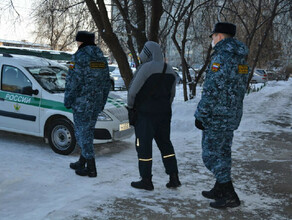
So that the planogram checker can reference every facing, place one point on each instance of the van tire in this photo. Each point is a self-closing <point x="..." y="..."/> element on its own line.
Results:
<point x="61" y="136"/>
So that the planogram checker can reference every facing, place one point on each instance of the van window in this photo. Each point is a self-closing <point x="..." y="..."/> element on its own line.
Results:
<point x="51" y="78"/>
<point x="14" y="80"/>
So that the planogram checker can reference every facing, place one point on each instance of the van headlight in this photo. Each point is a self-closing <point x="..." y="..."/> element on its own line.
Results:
<point x="103" y="117"/>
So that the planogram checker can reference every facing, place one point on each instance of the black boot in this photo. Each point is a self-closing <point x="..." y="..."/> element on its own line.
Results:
<point x="90" y="170"/>
<point x="229" y="197"/>
<point x="214" y="193"/>
<point x="80" y="164"/>
<point x="145" y="183"/>
<point x="173" y="181"/>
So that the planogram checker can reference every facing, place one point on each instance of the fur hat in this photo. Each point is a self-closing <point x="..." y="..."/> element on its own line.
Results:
<point x="85" y="37"/>
<point x="224" y="27"/>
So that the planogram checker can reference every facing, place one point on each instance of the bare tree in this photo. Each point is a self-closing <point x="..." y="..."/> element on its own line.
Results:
<point x="181" y="12"/>
<point x="136" y="22"/>
<point x="130" y="41"/>
<point x="58" y="21"/>
<point x="157" y="11"/>
<point x="257" y="19"/>
<point x="188" y="22"/>
<point x="14" y="15"/>
<point x="9" y="5"/>
<point x="182" y="15"/>
<point x="166" y="24"/>
<point x="101" y="19"/>
<point x="99" y="14"/>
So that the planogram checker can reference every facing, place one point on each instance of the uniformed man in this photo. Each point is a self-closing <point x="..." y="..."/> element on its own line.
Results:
<point x="151" y="93"/>
<point x="86" y="92"/>
<point x="219" y="111"/>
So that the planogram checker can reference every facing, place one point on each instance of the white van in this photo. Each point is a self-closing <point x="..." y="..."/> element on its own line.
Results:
<point x="31" y="103"/>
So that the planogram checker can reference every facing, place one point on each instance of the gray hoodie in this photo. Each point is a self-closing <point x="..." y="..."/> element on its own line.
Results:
<point x="147" y="77"/>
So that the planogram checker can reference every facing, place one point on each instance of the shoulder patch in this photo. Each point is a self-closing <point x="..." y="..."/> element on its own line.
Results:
<point x="242" y="69"/>
<point x="71" y="65"/>
<point x="97" y="65"/>
<point x="215" y="67"/>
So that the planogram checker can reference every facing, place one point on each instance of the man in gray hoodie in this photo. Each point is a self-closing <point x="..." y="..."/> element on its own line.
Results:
<point x="151" y="94"/>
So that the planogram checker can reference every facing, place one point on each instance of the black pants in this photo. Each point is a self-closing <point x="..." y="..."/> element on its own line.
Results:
<point x="157" y="127"/>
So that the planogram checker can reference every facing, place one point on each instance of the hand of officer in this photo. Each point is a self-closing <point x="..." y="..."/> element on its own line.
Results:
<point x="199" y="125"/>
<point x="67" y="103"/>
<point x="67" y="106"/>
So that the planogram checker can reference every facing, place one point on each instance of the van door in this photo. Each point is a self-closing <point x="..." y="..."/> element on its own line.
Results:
<point x="19" y="109"/>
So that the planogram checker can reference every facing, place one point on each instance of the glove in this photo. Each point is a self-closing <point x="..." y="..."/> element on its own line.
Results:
<point x="199" y="125"/>
<point x="67" y="106"/>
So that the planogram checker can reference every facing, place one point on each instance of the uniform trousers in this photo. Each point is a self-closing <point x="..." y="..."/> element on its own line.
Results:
<point x="216" y="146"/>
<point x="84" y="124"/>
<point x="157" y="127"/>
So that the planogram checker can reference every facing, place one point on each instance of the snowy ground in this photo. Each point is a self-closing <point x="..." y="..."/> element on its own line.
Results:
<point x="36" y="183"/>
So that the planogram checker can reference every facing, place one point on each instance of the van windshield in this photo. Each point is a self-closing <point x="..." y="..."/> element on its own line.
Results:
<point x="51" y="78"/>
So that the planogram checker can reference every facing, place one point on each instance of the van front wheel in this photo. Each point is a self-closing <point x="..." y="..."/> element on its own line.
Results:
<point x="61" y="136"/>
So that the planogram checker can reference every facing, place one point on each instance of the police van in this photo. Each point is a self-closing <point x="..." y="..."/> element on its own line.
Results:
<point x="31" y="103"/>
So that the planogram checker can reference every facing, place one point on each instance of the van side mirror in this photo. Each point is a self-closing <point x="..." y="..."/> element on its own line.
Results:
<point x="29" y="91"/>
<point x="35" y="91"/>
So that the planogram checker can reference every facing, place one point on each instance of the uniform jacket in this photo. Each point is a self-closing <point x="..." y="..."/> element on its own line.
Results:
<point x="88" y="80"/>
<point x="147" y="76"/>
<point x="225" y="85"/>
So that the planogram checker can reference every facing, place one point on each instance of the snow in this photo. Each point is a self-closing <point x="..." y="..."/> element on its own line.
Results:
<point x="36" y="183"/>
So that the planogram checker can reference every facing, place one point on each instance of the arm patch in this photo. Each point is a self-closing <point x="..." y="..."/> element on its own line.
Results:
<point x="215" y="67"/>
<point x="71" y="65"/>
<point x="242" y="69"/>
<point x="97" y="65"/>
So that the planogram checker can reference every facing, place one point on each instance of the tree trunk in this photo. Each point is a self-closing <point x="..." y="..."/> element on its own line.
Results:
<point x="156" y="12"/>
<point x="140" y="33"/>
<point x="202" y="70"/>
<point x="185" y="70"/>
<point x="102" y="22"/>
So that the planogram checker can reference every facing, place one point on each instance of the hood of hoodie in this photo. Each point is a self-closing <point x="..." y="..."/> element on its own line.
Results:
<point x="231" y="45"/>
<point x="151" y="52"/>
